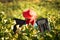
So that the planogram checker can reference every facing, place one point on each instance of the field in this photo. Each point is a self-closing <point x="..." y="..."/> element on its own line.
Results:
<point x="45" y="9"/>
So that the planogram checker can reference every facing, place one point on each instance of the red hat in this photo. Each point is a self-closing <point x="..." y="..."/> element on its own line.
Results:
<point x="28" y="14"/>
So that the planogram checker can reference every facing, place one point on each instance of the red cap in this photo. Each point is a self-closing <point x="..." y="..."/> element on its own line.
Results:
<point x="28" y="14"/>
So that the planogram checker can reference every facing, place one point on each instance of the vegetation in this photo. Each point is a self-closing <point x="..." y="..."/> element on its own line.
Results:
<point x="46" y="9"/>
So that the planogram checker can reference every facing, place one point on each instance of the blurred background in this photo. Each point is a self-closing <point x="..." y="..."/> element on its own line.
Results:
<point x="10" y="9"/>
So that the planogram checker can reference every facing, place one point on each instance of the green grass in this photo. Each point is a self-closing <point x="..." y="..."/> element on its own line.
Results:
<point x="11" y="10"/>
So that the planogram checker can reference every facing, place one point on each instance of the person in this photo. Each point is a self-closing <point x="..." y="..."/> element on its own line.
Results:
<point x="30" y="17"/>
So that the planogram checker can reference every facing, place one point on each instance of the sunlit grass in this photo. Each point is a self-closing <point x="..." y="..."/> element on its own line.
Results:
<point x="12" y="10"/>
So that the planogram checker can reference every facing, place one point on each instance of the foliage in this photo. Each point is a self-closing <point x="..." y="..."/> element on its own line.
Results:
<point x="49" y="10"/>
